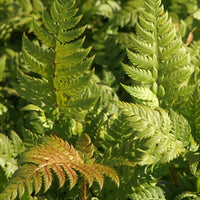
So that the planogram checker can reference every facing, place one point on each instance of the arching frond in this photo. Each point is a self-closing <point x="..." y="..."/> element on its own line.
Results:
<point x="62" y="159"/>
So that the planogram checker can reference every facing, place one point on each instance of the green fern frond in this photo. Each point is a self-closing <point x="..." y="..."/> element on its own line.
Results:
<point x="62" y="159"/>
<point x="192" y="109"/>
<point x="61" y="62"/>
<point x="158" y="137"/>
<point x="103" y="46"/>
<point x="140" y="61"/>
<point x="159" y="52"/>
<point x="42" y="34"/>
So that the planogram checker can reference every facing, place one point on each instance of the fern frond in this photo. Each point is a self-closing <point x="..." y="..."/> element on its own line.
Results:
<point x="156" y="136"/>
<point x="189" y="103"/>
<point x="60" y="60"/>
<point x="60" y="158"/>
<point x="177" y="78"/>
<point x="2" y="66"/>
<point x="42" y="34"/>
<point x="103" y="46"/>
<point x="160" y="51"/>
<point x="140" y="61"/>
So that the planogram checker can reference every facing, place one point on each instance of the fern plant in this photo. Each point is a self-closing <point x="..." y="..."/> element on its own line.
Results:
<point x="160" y="63"/>
<point x="60" y="62"/>
<point x="158" y="71"/>
<point x="162" y="77"/>
<point x="152" y="140"/>
<point x="55" y="85"/>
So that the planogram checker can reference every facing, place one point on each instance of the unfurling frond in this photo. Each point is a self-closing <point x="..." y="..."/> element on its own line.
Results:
<point x="60" y="61"/>
<point x="58" y="156"/>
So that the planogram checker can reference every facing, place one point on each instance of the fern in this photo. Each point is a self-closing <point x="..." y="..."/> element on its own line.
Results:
<point x="158" y="136"/>
<point x="62" y="158"/>
<point x="160" y="62"/>
<point x="61" y="63"/>
<point x="152" y="140"/>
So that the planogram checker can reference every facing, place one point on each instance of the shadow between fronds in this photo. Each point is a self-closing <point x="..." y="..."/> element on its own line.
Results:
<point x="58" y="156"/>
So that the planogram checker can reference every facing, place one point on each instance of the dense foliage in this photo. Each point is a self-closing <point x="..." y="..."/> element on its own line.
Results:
<point x="99" y="99"/>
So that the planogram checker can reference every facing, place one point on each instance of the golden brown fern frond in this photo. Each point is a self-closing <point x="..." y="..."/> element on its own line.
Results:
<point x="58" y="156"/>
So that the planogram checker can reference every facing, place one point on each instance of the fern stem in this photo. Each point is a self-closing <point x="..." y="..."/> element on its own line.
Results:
<point x="84" y="189"/>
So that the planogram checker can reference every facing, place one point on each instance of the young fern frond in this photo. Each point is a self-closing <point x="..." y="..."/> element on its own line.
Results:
<point x="160" y="62"/>
<point x="61" y="62"/>
<point x="62" y="159"/>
